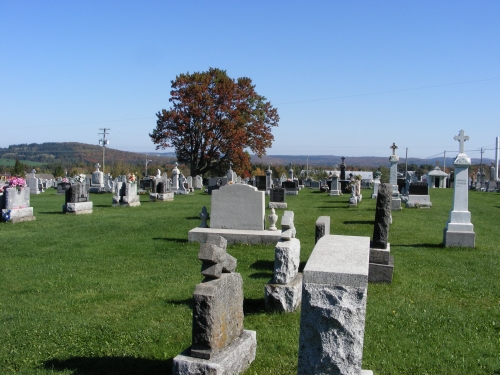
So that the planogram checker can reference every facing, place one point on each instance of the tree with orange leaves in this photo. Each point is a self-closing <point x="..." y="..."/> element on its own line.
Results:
<point x="213" y="120"/>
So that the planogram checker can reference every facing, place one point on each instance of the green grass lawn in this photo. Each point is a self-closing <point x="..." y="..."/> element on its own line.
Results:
<point x="110" y="293"/>
<point x="12" y="162"/>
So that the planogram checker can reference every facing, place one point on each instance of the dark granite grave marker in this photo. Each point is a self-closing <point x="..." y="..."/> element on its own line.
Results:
<point x="277" y="195"/>
<point x="419" y="188"/>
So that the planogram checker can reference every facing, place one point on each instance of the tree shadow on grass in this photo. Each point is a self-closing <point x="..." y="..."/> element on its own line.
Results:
<point x="51" y="213"/>
<point x="177" y="240"/>
<point x="102" y="205"/>
<point x="426" y="245"/>
<point x="370" y="222"/>
<point x="254" y="306"/>
<point x="193" y="218"/>
<point x="111" y="365"/>
<point x="261" y="275"/>
<point x="263" y="265"/>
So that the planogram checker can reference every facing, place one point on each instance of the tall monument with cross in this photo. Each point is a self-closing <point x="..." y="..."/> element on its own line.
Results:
<point x="393" y="179"/>
<point x="230" y="174"/>
<point x="459" y="231"/>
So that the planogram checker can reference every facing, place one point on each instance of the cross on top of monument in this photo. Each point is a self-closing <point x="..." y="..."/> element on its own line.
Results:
<point x="394" y="147"/>
<point x="461" y="137"/>
<point x="342" y="158"/>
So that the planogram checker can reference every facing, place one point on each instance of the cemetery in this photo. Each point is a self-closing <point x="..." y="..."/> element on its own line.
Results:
<point x="118" y="292"/>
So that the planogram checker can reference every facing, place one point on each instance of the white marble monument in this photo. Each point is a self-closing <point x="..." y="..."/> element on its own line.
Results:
<point x="459" y="230"/>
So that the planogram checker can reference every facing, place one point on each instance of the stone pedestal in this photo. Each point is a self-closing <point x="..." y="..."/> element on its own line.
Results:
<point x="396" y="198"/>
<point x="335" y="188"/>
<point x="78" y="208"/>
<point x="381" y="267"/>
<point x="284" y="297"/>
<point x="127" y="195"/>
<point x="234" y="359"/>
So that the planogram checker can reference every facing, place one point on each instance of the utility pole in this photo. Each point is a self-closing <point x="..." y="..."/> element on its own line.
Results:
<point x="444" y="162"/>
<point x="307" y="167"/>
<point x="103" y="141"/>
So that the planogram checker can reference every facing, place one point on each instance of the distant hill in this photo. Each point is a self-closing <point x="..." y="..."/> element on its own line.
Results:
<point x="72" y="152"/>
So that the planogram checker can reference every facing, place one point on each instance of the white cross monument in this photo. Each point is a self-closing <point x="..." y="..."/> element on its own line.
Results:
<point x="459" y="231"/>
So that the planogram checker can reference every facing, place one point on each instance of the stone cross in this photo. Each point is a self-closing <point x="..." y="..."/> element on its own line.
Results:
<point x="342" y="158"/>
<point x="394" y="147"/>
<point x="33" y="172"/>
<point x="461" y="137"/>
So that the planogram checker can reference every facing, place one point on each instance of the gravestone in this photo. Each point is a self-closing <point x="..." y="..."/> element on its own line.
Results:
<point x="376" y="184"/>
<point x="291" y="187"/>
<point x="62" y="187"/>
<point x="220" y="345"/>
<point x="97" y="180"/>
<point x="261" y="182"/>
<point x="183" y="188"/>
<point x="418" y="195"/>
<point x="198" y="182"/>
<point x="283" y="293"/>
<point x="322" y="227"/>
<point x="33" y="183"/>
<point x="175" y="178"/>
<point x="335" y="184"/>
<point x="126" y="195"/>
<point x="393" y="179"/>
<point x="381" y="265"/>
<point x="332" y="319"/>
<point x="459" y="231"/>
<point x="277" y="198"/>
<point x="237" y="206"/>
<point x="15" y="205"/>
<point x="77" y="200"/>
<point x="215" y="183"/>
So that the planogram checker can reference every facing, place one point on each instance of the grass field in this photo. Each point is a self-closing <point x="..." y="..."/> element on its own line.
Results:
<point x="110" y="293"/>
<point x="12" y="162"/>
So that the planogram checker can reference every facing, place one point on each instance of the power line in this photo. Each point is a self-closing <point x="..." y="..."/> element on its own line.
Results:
<point x="390" y="91"/>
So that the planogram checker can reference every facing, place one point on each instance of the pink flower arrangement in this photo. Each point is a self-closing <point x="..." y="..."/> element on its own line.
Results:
<point x="17" y="182"/>
<point x="64" y="180"/>
<point x="132" y="178"/>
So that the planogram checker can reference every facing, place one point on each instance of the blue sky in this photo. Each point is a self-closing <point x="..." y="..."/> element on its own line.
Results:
<point x="348" y="77"/>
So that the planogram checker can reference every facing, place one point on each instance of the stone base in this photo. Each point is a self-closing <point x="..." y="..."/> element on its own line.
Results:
<point x="459" y="239"/>
<point x="419" y="201"/>
<point x="234" y="359"/>
<point x="335" y="192"/>
<point x="236" y="235"/>
<point x="20" y="214"/>
<point x="280" y="205"/>
<point x="292" y="192"/>
<point x="165" y="197"/>
<point x="381" y="273"/>
<point x="353" y="202"/>
<point x="396" y="204"/>
<point x="96" y="189"/>
<point x="284" y="297"/>
<point x="78" y="208"/>
<point x="380" y="256"/>
<point x="374" y="196"/>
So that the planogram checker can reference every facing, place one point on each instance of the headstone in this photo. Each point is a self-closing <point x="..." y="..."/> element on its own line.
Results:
<point x="77" y="200"/>
<point x="15" y="204"/>
<point x="277" y="198"/>
<point x="418" y="195"/>
<point x="376" y="183"/>
<point x="492" y="183"/>
<point x="198" y="182"/>
<point x="215" y="183"/>
<point x="332" y="319"/>
<point x="190" y="182"/>
<point x="393" y="179"/>
<point x="291" y="187"/>
<point x="290" y="172"/>
<point x="335" y="184"/>
<point x="261" y="182"/>
<point x="175" y="178"/>
<point x="97" y="180"/>
<point x="33" y="183"/>
<point x="220" y="345"/>
<point x="183" y="189"/>
<point x="322" y="227"/>
<point x="238" y="206"/>
<point x="381" y="262"/>
<point x="126" y="193"/>
<point x="283" y="293"/>
<point x="459" y="231"/>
